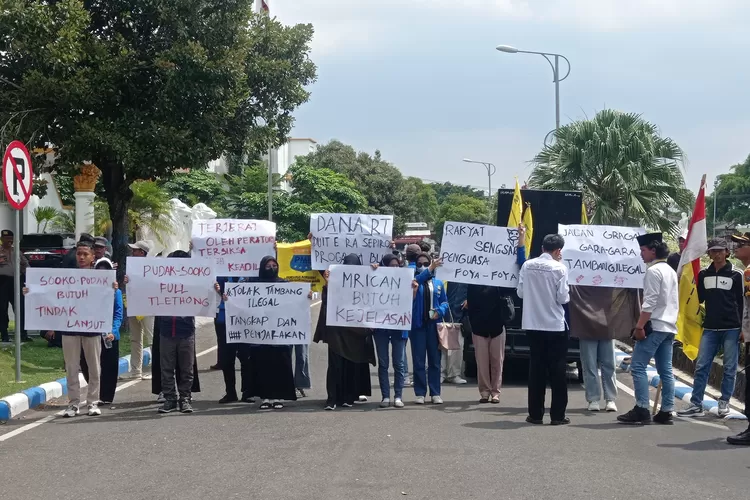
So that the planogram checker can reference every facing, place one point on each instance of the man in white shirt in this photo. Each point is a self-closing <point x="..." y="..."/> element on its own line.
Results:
<point x="654" y="333"/>
<point x="543" y="286"/>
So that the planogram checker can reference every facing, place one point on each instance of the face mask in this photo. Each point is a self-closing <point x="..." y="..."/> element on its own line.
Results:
<point x="272" y="273"/>
<point x="421" y="268"/>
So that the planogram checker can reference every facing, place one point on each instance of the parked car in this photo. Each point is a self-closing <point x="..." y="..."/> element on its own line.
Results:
<point x="47" y="249"/>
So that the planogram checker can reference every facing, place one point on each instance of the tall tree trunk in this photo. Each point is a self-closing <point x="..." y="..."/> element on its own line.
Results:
<point x="117" y="190"/>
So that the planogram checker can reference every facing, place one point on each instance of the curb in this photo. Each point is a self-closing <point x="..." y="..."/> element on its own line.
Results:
<point x="15" y="404"/>
<point x="682" y="391"/>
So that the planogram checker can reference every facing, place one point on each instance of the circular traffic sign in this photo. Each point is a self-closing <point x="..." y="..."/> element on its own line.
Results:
<point x="17" y="175"/>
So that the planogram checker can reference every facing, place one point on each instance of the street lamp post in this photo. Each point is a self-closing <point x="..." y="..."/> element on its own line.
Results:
<point x="491" y="169"/>
<point x="555" y="70"/>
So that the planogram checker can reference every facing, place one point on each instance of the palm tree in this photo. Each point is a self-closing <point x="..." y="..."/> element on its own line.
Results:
<point x="43" y="216"/>
<point x="629" y="175"/>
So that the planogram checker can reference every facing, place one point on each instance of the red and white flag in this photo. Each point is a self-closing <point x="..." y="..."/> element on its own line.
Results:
<point x="261" y="6"/>
<point x="696" y="243"/>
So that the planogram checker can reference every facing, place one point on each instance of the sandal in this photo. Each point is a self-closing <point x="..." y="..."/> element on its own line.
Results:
<point x="278" y="405"/>
<point x="266" y="405"/>
<point x="495" y="400"/>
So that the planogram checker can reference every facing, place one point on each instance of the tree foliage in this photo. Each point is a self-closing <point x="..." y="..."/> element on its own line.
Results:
<point x="461" y="208"/>
<point x="627" y="172"/>
<point x="141" y="88"/>
<point x="732" y="190"/>
<point x="196" y="186"/>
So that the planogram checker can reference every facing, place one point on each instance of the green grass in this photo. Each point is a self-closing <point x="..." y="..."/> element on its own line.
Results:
<point x="39" y="364"/>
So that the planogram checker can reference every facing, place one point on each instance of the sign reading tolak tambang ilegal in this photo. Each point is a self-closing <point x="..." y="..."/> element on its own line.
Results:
<point x="237" y="246"/>
<point x="479" y="255"/>
<point x="337" y="235"/>
<point x="607" y="256"/>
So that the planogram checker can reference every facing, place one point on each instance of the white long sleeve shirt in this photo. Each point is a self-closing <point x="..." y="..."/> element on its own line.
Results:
<point x="543" y="286"/>
<point x="661" y="297"/>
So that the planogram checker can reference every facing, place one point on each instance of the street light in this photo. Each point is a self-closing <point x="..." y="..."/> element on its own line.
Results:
<point x="491" y="169"/>
<point x="555" y="70"/>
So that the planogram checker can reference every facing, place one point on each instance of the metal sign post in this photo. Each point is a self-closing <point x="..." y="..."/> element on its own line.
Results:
<point x="17" y="183"/>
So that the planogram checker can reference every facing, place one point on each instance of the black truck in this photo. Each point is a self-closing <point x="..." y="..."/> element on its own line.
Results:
<point x="549" y="208"/>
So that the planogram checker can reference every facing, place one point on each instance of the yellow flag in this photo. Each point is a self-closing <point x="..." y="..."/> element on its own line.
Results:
<point x="295" y="264"/>
<point x="690" y="319"/>
<point x="528" y="221"/>
<point x="516" y="208"/>
<point x="584" y="215"/>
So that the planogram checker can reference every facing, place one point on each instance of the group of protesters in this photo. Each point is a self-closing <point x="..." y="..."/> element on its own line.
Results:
<point x="278" y="373"/>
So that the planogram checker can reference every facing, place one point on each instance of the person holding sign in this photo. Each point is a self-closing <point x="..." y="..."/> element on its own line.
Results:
<point x="350" y="350"/>
<point x="271" y="374"/>
<point x="228" y="353"/>
<point x="430" y="305"/>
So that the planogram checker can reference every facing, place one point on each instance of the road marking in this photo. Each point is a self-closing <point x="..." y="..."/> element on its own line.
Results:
<point x="131" y="383"/>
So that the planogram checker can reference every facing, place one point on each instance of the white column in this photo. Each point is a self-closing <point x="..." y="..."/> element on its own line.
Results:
<point x="84" y="212"/>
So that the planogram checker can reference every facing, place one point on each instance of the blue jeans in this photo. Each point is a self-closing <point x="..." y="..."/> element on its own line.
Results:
<point x="711" y="341"/>
<point x="658" y="345"/>
<point x="596" y="354"/>
<point x="424" y="344"/>
<point x="383" y="338"/>
<point x="302" y="366"/>
<point x="406" y="361"/>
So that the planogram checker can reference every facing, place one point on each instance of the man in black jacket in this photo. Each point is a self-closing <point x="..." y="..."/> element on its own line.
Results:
<point x="720" y="287"/>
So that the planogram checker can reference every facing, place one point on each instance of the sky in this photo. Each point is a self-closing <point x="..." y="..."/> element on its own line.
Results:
<point x="421" y="81"/>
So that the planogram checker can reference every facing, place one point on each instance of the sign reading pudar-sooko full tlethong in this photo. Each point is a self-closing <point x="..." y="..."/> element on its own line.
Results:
<point x="70" y="300"/>
<point x="607" y="256"/>
<point x="236" y="246"/>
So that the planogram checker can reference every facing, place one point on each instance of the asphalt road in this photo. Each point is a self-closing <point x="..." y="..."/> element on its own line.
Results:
<point x="459" y="450"/>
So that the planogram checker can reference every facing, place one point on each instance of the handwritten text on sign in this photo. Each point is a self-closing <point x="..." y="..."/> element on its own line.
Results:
<point x="70" y="300"/>
<point x="362" y="297"/>
<point x="268" y="313"/>
<point x="603" y="255"/>
<point x="337" y="235"/>
<point x="237" y="246"/>
<point x="479" y="255"/>
<point x="170" y="287"/>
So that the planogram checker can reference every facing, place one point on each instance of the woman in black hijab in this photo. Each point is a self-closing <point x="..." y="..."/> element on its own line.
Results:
<point x="271" y="374"/>
<point x="350" y="350"/>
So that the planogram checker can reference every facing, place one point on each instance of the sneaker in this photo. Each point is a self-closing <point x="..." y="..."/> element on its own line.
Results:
<point x="664" y="418"/>
<point x="456" y="380"/>
<point x="636" y="416"/>
<point x="330" y="407"/>
<point x="168" y="406"/>
<point x="160" y="398"/>
<point x="385" y="403"/>
<point x="691" y="411"/>
<point x="347" y="405"/>
<point x="71" y="411"/>
<point x="723" y="408"/>
<point x="593" y="406"/>
<point x="228" y="398"/>
<point x="94" y="410"/>
<point x="398" y="403"/>
<point x="363" y="399"/>
<point x="185" y="406"/>
<point x="419" y="400"/>
<point x="437" y="400"/>
<point x="741" y="439"/>
<point x="611" y="406"/>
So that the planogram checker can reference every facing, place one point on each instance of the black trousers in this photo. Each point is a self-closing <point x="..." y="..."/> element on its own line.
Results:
<point x="7" y="289"/>
<point x="346" y="380"/>
<point x="229" y="353"/>
<point x="110" y="365"/>
<point x="548" y="351"/>
<point x="747" y="382"/>
<point x="221" y="341"/>
<point x="156" y="367"/>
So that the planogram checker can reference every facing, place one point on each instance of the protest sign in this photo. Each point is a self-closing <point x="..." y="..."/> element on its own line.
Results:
<point x="337" y="235"/>
<point x="70" y="300"/>
<point x="170" y="287"/>
<point x="237" y="246"/>
<point x="268" y="313"/>
<point x="479" y="255"/>
<point x="363" y="297"/>
<point x="603" y="255"/>
<point x="295" y="264"/>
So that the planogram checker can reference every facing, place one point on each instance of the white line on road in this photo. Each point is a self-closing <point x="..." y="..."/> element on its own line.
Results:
<point x="49" y="418"/>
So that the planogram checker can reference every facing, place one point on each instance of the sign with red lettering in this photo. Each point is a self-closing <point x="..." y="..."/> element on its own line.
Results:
<point x="236" y="246"/>
<point x="70" y="300"/>
<point x="170" y="287"/>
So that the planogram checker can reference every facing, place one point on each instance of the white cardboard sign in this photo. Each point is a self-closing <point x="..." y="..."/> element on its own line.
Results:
<point x="337" y="235"/>
<point x="237" y="246"/>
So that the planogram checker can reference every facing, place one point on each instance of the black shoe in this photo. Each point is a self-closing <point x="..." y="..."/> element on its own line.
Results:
<point x="330" y="407"/>
<point x="636" y="416"/>
<point x="535" y="421"/>
<point x="168" y="407"/>
<point x="664" y="418"/>
<point x="217" y="366"/>
<point x="185" y="406"/>
<point x="564" y="421"/>
<point x="247" y="398"/>
<point x="741" y="439"/>
<point x="228" y="398"/>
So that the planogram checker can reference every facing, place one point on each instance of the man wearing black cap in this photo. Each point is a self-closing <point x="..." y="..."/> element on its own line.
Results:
<point x="654" y="333"/>
<point x="7" y="285"/>
<point x="742" y="252"/>
<point x="721" y="289"/>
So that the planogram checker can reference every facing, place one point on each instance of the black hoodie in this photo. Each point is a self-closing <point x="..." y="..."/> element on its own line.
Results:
<point x="723" y="294"/>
